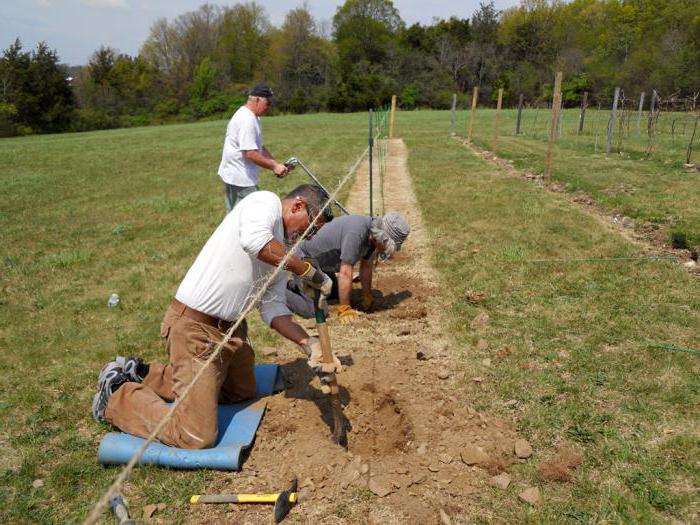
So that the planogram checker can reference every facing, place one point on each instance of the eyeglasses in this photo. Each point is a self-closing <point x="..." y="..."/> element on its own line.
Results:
<point x="315" y="227"/>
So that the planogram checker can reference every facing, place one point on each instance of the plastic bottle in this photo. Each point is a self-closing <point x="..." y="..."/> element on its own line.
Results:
<point x="113" y="300"/>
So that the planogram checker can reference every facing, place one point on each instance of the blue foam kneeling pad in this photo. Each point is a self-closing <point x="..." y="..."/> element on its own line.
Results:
<point x="238" y="424"/>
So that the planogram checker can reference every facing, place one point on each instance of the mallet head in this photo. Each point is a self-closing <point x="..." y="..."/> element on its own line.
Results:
<point x="283" y="503"/>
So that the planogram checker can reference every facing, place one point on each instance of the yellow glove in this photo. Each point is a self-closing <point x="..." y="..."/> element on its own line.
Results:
<point x="346" y="314"/>
<point x="366" y="302"/>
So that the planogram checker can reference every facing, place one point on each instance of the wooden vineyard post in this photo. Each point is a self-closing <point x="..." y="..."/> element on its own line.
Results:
<point x="371" y="147"/>
<point x="611" y="122"/>
<point x="391" y="121"/>
<point x="651" y="110"/>
<point x="498" y="120"/>
<point x="452" y="114"/>
<point x="520" y="113"/>
<point x="561" y="114"/>
<point x="582" y="112"/>
<point x="639" y="113"/>
<point x="556" y="105"/>
<point x="475" y="97"/>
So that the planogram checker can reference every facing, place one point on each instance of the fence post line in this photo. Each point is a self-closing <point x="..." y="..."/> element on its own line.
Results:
<point x="651" y="110"/>
<point x="498" y="120"/>
<point x="611" y="122"/>
<point x="371" y="147"/>
<point x="556" y="105"/>
<point x="452" y="114"/>
<point x="475" y="97"/>
<point x="582" y="111"/>
<point x="520" y="113"/>
<point x="639" y="113"/>
<point x="561" y="113"/>
<point x="393" y="110"/>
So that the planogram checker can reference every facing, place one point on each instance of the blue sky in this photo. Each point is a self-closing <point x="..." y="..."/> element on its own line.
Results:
<point x="75" y="28"/>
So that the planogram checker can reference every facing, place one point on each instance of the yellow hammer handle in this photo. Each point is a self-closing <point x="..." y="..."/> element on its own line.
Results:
<point x="240" y="498"/>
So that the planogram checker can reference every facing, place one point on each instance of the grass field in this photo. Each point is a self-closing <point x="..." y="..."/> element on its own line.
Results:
<point x="84" y="215"/>
<point x="126" y="211"/>
<point x="657" y="190"/>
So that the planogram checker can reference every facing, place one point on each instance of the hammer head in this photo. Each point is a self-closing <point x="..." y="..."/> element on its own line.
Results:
<point x="283" y="505"/>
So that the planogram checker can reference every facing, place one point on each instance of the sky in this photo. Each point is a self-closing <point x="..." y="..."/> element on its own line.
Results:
<point x="76" y="28"/>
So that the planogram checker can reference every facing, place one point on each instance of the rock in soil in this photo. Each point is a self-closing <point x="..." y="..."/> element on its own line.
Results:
<point x="480" y="321"/>
<point x="38" y="483"/>
<point x="531" y="495"/>
<point x="559" y="468"/>
<point x="474" y="297"/>
<point x="444" y="518"/>
<point x="501" y="481"/>
<point x="381" y="485"/>
<point x="523" y="449"/>
<point x="443" y="373"/>
<point x="473" y="455"/>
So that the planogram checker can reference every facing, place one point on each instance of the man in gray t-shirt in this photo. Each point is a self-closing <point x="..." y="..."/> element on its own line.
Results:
<point x="337" y="247"/>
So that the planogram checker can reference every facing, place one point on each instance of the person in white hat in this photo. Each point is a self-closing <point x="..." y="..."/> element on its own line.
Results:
<point x="336" y="248"/>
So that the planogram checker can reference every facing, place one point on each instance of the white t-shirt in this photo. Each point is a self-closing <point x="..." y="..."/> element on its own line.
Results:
<point x="227" y="272"/>
<point x="243" y="133"/>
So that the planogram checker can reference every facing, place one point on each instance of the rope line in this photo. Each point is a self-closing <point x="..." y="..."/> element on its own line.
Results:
<point x="603" y="259"/>
<point x="673" y="348"/>
<point x="96" y="511"/>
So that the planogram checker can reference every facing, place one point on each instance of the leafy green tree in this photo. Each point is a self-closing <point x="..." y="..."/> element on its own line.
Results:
<point x="36" y="94"/>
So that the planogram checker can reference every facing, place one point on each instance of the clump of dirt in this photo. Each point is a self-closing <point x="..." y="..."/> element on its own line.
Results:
<point x="560" y="467"/>
<point x="410" y="313"/>
<point x="384" y="430"/>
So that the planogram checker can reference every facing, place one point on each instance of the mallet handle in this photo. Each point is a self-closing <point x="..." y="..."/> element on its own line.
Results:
<point x="239" y="498"/>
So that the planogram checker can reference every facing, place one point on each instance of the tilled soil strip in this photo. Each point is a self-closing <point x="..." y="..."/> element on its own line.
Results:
<point x="418" y="451"/>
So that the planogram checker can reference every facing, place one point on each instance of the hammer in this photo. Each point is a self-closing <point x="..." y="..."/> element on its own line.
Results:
<point x="283" y="501"/>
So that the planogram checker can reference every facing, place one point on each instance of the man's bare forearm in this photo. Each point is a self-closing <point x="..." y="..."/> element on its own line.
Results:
<point x="286" y="327"/>
<point x="345" y="283"/>
<point x="366" y="276"/>
<point x="273" y="253"/>
<point x="262" y="160"/>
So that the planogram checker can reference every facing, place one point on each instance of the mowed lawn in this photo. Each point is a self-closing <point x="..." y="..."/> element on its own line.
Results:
<point x="569" y="355"/>
<point x="657" y="191"/>
<point x="83" y="216"/>
<point x="126" y="211"/>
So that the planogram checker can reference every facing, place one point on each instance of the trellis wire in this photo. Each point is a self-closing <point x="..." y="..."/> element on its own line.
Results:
<point x="96" y="511"/>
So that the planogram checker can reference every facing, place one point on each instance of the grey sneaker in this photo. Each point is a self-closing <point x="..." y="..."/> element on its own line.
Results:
<point x="111" y="378"/>
<point x="133" y="367"/>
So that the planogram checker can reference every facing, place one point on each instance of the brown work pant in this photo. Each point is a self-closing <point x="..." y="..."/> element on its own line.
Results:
<point x="137" y="408"/>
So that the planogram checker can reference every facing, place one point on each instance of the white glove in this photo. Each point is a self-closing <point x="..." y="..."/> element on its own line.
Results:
<point x="314" y="356"/>
<point x="317" y="279"/>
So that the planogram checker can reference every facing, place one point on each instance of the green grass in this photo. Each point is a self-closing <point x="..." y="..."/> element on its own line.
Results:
<point x="126" y="211"/>
<point x="581" y="371"/>
<point x="657" y="190"/>
<point x="84" y="215"/>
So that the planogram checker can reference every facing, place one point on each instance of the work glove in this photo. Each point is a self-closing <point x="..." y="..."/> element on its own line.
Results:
<point x="325" y="371"/>
<point x="346" y="314"/>
<point x="366" y="302"/>
<point x="317" y="279"/>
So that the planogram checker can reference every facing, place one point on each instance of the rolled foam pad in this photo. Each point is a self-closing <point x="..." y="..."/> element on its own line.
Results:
<point x="238" y="424"/>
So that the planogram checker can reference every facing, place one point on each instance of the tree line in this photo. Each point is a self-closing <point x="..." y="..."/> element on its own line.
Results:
<point x="199" y="64"/>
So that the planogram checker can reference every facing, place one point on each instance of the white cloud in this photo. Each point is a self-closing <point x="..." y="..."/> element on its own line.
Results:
<point x="105" y="4"/>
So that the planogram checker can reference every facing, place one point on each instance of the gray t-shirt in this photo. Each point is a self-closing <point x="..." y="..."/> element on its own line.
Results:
<point x="343" y="239"/>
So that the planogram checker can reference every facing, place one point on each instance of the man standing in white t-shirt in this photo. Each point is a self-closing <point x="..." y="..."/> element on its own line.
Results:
<point x="244" y="150"/>
<point x="229" y="270"/>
